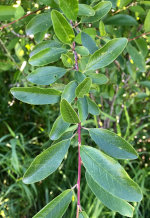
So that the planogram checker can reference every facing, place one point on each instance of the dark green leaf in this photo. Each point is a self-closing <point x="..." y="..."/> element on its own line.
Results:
<point x="121" y="20"/>
<point x="82" y="108"/>
<point x="101" y="9"/>
<point x="112" y="202"/>
<point x="145" y="83"/>
<point x="62" y="28"/>
<point x="90" y="31"/>
<point x="69" y="91"/>
<point x="88" y="42"/>
<point x="46" y="162"/>
<point x="70" y="8"/>
<point x="68" y="113"/>
<point x="59" y="127"/>
<point x="46" y="75"/>
<point x="79" y="76"/>
<point x="107" y="54"/>
<point x="92" y="107"/>
<point x="113" y="144"/>
<point x="109" y="174"/>
<point x="57" y="207"/>
<point x="35" y="95"/>
<point x="39" y="23"/>
<point x="46" y="56"/>
<point x="83" y="88"/>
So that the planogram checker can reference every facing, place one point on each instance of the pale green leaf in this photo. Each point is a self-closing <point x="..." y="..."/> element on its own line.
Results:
<point x="109" y="174"/>
<point x="112" y="202"/>
<point x="97" y="78"/>
<point x="70" y="8"/>
<point x="47" y="162"/>
<point x="59" y="127"/>
<point x="107" y="54"/>
<point x="62" y="28"/>
<point x="9" y="12"/>
<point x="113" y="144"/>
<point x="83" y="88"/>
<point x="46" y="75"/>
<point x="69" y="91"/>
<point x="101" y="9"/>
<point x="39" y="23"/>
<point x="147" y="22"/>
<point x="57" y="207"/>
<point x="35" y="95"/>
<point x="68" y="113"/>
<point x="85" y="10"/>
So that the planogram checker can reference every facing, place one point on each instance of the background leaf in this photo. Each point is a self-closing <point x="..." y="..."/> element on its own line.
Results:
<point x="70" y="8"/>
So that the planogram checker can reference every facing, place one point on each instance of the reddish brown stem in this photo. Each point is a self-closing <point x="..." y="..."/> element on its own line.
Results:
<point x="143" y="34"/>
<point x="79" y="171"/>
<point x="4" y="26"/>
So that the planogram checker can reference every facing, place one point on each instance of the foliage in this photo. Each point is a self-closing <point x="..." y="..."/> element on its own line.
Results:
<point x="98" y="70"/>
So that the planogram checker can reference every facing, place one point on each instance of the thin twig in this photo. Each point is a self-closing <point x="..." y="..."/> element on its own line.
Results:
<point x="26" y="15"/>
<point x="143" y="34"/>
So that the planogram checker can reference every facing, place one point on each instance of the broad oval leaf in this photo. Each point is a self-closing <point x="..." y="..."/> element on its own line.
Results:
<point x="107" y="54"/>
<point x="57" y="207"/>
<point x="39" y="23"/>
<point x="112" y="202"/>
<point x="46" y="44"/>
<point x="82" y="108"/>
<point x="113" y="144"/>
<point x="35" y="95"/>
<point x="62" y="28"/>
<point x="70" y="8"/>
<point x="85" y="10"/>
<point x="59" y="127"/>
<point x="83" y="88"/>
<point x="46" y="162"/>
<point x="109" y="174"/>
<point x="121" y="20"/>
<point x="69" y="91"/>
<point x="98" y="78"/>
<point x="82" y="50"/>
<point x="88" y="42"/>
<point x="68" y="113"/>
<point x="46" y="56"/>
<point x="101" y="9"/>
<point x="79" y="76"/>
<point x="90" y="31"/>
<point x="46" y="75"/>
<point x="92" y="107"/>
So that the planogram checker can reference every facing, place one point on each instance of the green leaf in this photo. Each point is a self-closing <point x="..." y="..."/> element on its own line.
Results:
<point x="83" y="51"/>
<point x="70" y="8"/>
<point x="101" y="9"/>
<point x="99" y="78"/>
<point x="46" y="56"/>
<point x="145" y="83"/>
<point x="10" y="12"/>
<point x="46" y="44"/>
<point x="62" y="28"/>
<point x="85" y="10"/>
<point x="83" y="88"/>
<point x="102" y="29"/>
<point x="89" y="31"/>
<point x="147" y="23"/>
<point x="82" y="108"/>
<point x="67" y="60"/>
<point x="107" y="54"/>
<point x="113" y="144"/>
<point x="39" y="23"/>
<point x="142" y="46"/>
<point x="59" y="127"/>
<point x="88" y="42"/>
<point x="57" y="207"/>
<point x="68" y="113"/>
<point x="123" y="3"/>
<point x="35" y="95"/>
<point x="46" y="75"/>
<point x="79" y="76"/>
<point x="121" y="20"/>
<point x="137" y="57"/>
<point x="47" y="162"/>
<point x="109" y="174"/>
<point x="92" y="107"/>
<point x="114" y="203"/>
<point x="69" y="91"/>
